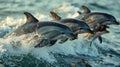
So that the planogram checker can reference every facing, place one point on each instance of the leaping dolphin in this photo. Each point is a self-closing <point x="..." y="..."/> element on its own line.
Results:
<point x="52" y="31"/>
<point x="97" y="21"/>
<point x="96" y="18"/>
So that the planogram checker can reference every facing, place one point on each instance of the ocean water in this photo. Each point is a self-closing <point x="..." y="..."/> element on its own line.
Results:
<point x="19" y="51"/>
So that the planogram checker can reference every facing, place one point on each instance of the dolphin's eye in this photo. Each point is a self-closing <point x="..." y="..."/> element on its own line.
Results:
<point x="102" y="28"/>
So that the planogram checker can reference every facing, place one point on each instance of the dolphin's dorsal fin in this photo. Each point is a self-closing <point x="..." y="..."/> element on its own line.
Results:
<point x="81" y="15"/>
<point x="79" y="12"/>
<point x="85" y="9"/>
<point x="30" y="18"/>
<point x="55" y="16"/>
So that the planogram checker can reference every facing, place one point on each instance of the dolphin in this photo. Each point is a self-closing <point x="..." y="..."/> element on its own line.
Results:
<point x="97" y="21"/>
<point x="52" y="31"/>
<point x="96" y="18"/>
<point x="76" y="25"/>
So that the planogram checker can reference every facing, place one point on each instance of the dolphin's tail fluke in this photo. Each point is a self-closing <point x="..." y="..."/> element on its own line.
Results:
<point x="30" y="18"/>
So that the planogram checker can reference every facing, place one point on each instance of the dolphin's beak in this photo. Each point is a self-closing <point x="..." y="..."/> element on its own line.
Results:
<point x="108" y="22"/>
<point x="117" y="23"/>
<point x="86" y="31"/>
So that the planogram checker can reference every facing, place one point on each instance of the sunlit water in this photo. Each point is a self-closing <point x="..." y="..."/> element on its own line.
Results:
<point x="19" y="51"/>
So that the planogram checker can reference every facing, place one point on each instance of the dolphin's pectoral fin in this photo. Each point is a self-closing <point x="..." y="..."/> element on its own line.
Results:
<point x="55" y="16"/>
<point x="98" y="35"/>
<point x="30" y="18"/>
<point x="52" y="42"/>
<point x="75" y="36"/>
<point x="63" y="40"/>
<point x="100" y="39"/>
<point x="85" y="9"/>
<point x="92" y="39"/>
<point x="42" y="43"/>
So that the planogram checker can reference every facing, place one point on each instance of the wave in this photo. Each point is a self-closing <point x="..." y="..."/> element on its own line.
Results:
<point x="19" y="51"/>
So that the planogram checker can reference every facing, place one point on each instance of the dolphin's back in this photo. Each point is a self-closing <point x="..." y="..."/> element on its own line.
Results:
<point x="53" y="30"/>
<point x="97" y="13"/>
<point x="77" y="23"/>
<point x="52" y="24"/>
<point x="98" y="17"/>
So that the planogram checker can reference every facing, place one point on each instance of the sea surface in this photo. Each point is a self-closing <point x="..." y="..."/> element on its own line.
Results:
<point x="19" y="52"/>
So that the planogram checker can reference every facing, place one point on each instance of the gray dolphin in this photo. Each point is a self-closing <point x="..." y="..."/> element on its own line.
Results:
<point x="97" y="21"/>
<point x="96" y="18"/>
<point x="76" y="25"/>
<point x="52" y="31"/>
